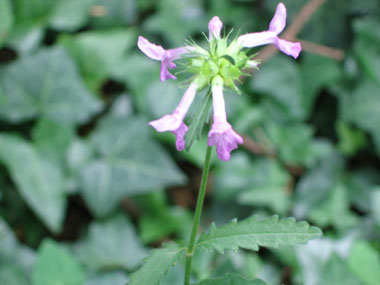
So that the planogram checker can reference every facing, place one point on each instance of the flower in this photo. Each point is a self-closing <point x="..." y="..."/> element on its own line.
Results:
<point x="221" y="134"/>
<point x="276" y="26"/>
<point x="165" y="56"/>
<point x="174" y="122"/>
<point x="215" y="26"/>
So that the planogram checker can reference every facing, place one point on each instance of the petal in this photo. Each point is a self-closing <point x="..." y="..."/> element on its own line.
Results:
<point x="289" y="48"/>
<point x="215" y="26"/>
<point x="164" y="73"/>
<point x="218" y="104"/>
<point x="167" y="123"/>
<point x="167" y="61"/>
<point x="278" y="22"/>
<point x="180" y="136"/>
<point x="151" y="50"/>
<point x="257" y="39"/>
<point x="225" y="139"/>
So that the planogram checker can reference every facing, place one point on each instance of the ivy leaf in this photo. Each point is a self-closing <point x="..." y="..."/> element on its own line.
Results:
<point x="231" y="279"/>
<point x="198" y="120"/>
<point x="254" y="232"/>
<point x="129" y="163"/>
<point x="157" y="265"/>
<point x="45" y="84"/>
<point x="39" y="181"/>
<point x="363" y="254"/>
<point x="97" y="52"/>
<point x="111" y="244"/>
<point x="55" y="266"/>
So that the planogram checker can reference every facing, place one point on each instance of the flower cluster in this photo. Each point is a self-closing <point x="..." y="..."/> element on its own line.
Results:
<point x="221" y="66"/>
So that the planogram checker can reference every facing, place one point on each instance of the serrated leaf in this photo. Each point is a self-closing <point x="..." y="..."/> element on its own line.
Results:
<point x="55" y="266"/>
<point x="157" y="265"/>
<point x="198" y="120"/>
<point x="110" y="244"/>
<point x="129" y="163"/>
<point x="254" y="232"/>
<point x="45" y="84"/>
<point x="39" y="181"/>
<point x="231" y="279"/>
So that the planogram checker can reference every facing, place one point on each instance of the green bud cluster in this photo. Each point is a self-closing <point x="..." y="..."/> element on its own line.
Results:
<point x="222" y="64"/>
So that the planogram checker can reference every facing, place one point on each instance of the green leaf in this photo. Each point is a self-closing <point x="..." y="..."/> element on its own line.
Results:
<point x="111" y="244"/>
<point x="272" y="191"/>
<point x="286" y="95"/>
<point x="45" y="84"/>
<point x="361" y="107"/>
<point x="336" y="271"/>
<point x="350" y="139"/>
<point x="364" y="263"/>
<point x="56" y="266"/>
<point x="39" y="181"/>
<point x="157" y="265"/>
<point x="117" y="13"/>
<point x="97" y="52"/>
<point x="70" y="15"/>
<point x="6" y="20"/>
<point x="200" y="117"/>
<point x="254" y="232"/>
<point x="231" y="279"/>
<point x="129" y="163"/>
<point x="108" y="278"/>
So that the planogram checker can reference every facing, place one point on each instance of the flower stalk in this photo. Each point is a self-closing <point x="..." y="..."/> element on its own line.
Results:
<point x="197" y="215"/>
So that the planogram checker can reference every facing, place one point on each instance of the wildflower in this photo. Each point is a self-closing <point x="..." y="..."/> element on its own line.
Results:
<point x="174" y="122"/>
<point x="221" y="134"/>
<point x="221" y="66"/>
<point x="276" y="26"/>
<point x="165" y="56"/>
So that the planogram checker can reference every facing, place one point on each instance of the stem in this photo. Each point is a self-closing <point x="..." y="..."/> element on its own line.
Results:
<point x="197" y="215"/>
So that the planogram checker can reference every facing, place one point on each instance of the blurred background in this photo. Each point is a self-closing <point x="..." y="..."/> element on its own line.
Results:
<point x="87" y="188"/>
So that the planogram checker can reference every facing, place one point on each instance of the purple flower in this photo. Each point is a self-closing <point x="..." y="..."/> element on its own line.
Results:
<point x="214" y="26"/>
<point x="276" y="26"/>
<point x="174" y="122"/>
<point x="221" y="134"/>
<point x="165" y="56"/>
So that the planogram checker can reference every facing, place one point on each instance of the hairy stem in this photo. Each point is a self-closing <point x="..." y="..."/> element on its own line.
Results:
<point x="197" y="215"/>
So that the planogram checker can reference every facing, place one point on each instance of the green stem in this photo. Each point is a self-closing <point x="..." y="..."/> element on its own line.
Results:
<point x="197" y="215"/>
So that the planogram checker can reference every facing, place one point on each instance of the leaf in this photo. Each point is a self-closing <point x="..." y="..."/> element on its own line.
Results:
<point x="361" y="107"/>
<point x="6" y="20"/>
<point x="336" y="271"/>
<point x="108" y="278"/>
<point x="46" y="84"/>
<point x="39" y="181"/>
<point x="364" y="263"/>
<point x="200" y="117"/>
<point x="231" y="279"/>
<point x="110" y="244"/>
<point x="254" y="232"/>
<point x="157" y="265"/>
<point x="286" y="95"/>
<point x="272" y="191"/>
<point x="129" y="163"/>
<point x="115" y="13"/>
<point x="55" y="266"/>
<point x="17" y="261"/>
<point x="70" y="15"/>
<point x="97" y="52"/>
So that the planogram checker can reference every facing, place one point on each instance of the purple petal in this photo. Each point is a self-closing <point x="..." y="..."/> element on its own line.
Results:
<point x="257" y="39"/>
<point x="167" y="123"/>
<point x="150" y="50"/>
<point x="215" y="26"/>
<point x="167" y="62"/>
<point x="224" y="138"/>
<point x="180" y="136"/>
<point x="288" y="48"/>
<point x="278" y="22"/>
